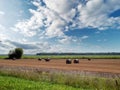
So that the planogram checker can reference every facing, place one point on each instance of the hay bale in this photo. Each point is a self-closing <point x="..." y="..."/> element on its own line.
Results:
<point x="47" y="59"/>
<point x="89" y="59"/>
<point x="68" y="61"/>
<point x="39" y="59"/>
<point x="76" y="61"/>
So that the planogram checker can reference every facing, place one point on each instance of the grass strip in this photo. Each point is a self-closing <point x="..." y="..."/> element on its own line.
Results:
<point x="61" y="80"/>
<point x="68" y="56"/>
<point x="13" y="83"/>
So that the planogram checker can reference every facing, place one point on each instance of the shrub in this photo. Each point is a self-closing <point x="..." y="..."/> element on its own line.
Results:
<point x="11" y="54"/>
<point x="17" y="53"/>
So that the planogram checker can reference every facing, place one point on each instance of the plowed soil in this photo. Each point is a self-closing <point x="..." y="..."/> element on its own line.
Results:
<point x="95" y="65"/>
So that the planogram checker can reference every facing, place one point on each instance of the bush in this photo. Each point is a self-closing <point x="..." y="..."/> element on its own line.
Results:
<point x="17" y="53"/>
<point x="11" y="54"/>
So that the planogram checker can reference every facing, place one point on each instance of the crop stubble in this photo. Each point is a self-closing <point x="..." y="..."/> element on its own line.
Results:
<point x="94" y="66"/>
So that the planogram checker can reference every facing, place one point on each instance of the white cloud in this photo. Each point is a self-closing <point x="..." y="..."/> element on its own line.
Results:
<point x="29" y="27"/>
<point x="65" y="40"/>
<point x="2" y="13"/>
<point x="56" y="48"/>
<point x="5" y="47"/>
<point x="28" y="47"/>
<point x="35" y="47"/>
<point x="61" y="6"/>
<point x="61" y="48"/>
<point x="56" y="17"/>
<point x="84" y="37"/>
<point x="2" y="37"/>
<point x="56" y="28"/>
<point x="96" y="13"/>
<point x="3" y="34"/>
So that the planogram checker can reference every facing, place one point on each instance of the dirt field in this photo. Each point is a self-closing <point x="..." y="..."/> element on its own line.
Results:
<point x="98" y="65"/>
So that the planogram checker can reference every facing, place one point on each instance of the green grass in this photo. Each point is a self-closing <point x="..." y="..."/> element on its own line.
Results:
<point x="12" y="83"/>
<point x="74" y="56"/>
<point x="3" y="56"/>
<point x="55" y="81"/>
<point x="67" y="56"/>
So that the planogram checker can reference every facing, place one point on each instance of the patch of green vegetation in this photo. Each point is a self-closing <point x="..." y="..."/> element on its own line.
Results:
<point x="67" y="56"/>
<point x="58" y="81"/>
<point x="12" y="83"/>
<point x="73" y="56"/>
<point x="3" y="56"/>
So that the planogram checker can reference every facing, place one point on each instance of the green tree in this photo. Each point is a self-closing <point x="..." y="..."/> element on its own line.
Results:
<point x="11" y="54"/>
<point x="17" y="53"/>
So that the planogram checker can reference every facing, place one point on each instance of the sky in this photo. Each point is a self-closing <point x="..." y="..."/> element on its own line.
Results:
<point x="77" y="26"/>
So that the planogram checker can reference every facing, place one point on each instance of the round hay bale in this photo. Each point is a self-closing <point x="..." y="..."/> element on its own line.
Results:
<point x="39" y="59"/>
<point x="89" y="59"/>
<point x="47" y="59"/>
<point x="68" y="61"/>
<point x="76" y="61"/>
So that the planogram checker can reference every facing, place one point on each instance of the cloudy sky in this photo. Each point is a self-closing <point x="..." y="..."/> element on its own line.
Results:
<point x="60" y="25"/>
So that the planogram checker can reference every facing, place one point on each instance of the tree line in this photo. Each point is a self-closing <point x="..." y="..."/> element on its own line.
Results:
<point x="106" y="53"/>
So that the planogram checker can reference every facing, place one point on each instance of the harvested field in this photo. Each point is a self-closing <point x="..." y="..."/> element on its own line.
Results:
<point x="108" y="67"/>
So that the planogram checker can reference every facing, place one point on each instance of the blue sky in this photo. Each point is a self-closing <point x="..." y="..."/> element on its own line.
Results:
<point x="60" y="25"/>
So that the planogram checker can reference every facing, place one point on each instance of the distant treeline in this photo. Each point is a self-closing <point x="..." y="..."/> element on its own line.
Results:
<point x="111" y="53"/>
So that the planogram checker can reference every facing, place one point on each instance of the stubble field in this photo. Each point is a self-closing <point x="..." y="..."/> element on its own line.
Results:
<point x="95" y="65"/>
